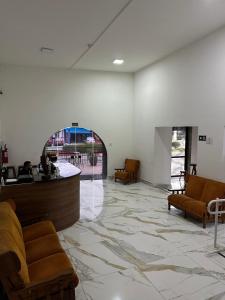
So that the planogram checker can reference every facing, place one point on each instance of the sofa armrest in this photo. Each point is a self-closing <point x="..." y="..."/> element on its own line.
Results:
<point x="55" y="285"/>
<point x="9" y="263"/>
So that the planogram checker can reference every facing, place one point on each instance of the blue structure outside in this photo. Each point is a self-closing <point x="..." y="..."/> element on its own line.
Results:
<point x="78" y="130"/>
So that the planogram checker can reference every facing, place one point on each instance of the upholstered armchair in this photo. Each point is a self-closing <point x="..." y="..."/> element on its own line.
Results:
<point x="129" y="172"/>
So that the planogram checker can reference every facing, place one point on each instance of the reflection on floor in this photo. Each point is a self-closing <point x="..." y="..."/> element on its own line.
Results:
<point x="127" y="246"/>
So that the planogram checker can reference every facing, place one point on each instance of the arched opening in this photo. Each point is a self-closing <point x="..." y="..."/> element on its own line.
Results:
<point x="81" y="147"/>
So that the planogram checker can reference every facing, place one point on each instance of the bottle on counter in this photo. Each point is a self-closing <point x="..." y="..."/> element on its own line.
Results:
<point x="2" y="181"/>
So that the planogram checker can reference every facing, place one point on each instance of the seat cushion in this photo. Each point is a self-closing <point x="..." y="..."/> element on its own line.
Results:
<point x="37" y="230"/>
<point x="42" y="247"/>
<point x="179" y="200"/>
<point x="121" y="175"/>
<point x="195" y="186"/>
<point x="213" y="190"/>
<point x="196" y="207"/>
<point x="50" y="266"/>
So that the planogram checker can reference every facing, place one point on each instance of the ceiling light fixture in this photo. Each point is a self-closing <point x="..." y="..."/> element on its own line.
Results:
<point x="118" y="61"/>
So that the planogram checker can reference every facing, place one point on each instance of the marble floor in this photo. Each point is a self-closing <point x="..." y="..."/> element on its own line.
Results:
<point x="127" y="246"/>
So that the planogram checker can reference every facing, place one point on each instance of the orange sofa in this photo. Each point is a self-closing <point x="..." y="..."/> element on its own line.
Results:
<point x="33" y="264"/>
<point x="199" y="191"/>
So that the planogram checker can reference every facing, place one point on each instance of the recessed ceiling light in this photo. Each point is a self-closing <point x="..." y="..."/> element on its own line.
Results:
<point x="46" y="50"/>
<point x="118" y="61"/>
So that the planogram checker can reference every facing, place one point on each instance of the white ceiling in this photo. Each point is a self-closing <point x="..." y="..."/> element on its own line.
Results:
<point x="140" y="31"/>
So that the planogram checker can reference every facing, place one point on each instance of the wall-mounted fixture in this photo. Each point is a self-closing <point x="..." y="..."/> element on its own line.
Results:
<point x="202" y="138"/>
<point x="209" y="140"/>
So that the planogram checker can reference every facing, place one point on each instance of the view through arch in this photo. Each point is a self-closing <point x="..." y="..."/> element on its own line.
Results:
<point x="81" y="147"/>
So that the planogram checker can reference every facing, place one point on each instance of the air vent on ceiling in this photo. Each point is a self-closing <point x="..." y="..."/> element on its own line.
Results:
<point x="46" y="50"/>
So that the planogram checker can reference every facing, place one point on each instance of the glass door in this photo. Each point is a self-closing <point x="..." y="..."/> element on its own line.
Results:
<point x="178" y="151"/>
<point x="180" y="155"/>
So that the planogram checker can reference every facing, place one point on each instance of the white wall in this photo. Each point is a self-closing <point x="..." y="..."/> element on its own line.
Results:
<point x="162" y="155"/>
<point x="194" y="145"/>
<point x="185" y="89"/>
<point x="38" y="102"/>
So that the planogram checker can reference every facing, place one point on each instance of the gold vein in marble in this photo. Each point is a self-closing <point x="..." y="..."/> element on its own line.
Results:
<point x="198" y="232"/>
<point x="71" y="241"/>
<point x="128" y="253"/>
<point x="154" y="235"/>
<point x="127" y="192"/>
<point x="99" y="234"/>
<point x="84" y="271"/>
<point x="184" y="270"/>
<point x="101" y="259"/>
<point x="114" y="229"/>
<point x="126" y="215"/>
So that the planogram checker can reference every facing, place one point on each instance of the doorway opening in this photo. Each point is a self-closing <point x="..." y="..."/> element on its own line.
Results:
<point x="183" y="153"/>
<point x="81" y="147"/>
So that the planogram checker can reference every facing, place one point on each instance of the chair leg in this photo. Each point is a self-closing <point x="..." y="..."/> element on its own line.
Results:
<point x="168" y="206"/>
<point x="204" y="221"/>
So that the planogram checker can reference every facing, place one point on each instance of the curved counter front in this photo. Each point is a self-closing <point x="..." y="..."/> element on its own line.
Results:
<point x="57" y="199"/>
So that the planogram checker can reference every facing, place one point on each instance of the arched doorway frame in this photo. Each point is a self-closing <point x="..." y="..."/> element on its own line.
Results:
<point x="92" y="176"/>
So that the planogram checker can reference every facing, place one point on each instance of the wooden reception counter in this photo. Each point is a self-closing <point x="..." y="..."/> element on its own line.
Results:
<point x="57" y="199"/>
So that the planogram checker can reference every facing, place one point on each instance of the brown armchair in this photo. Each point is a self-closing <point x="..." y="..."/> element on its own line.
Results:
<point x="129" y="172"/>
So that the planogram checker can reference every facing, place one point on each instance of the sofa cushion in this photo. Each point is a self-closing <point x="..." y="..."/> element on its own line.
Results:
<point x="42" y="247"/>
<point x="37" y="230"/>
<point x="122" y="175"/>
<point x="213" y="190"/>
<point x="50" y="266"/>
<point x="195" y="187"/>
<point x="7" y="243"/>
<point x="196" y="207"/>
<point x="178" y="200"/>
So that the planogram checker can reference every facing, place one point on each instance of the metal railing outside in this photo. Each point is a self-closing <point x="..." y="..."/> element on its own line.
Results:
<point x="216" y="208"/>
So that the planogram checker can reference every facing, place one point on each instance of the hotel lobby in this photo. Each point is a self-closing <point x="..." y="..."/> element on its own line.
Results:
<point x="131" y="72"/>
